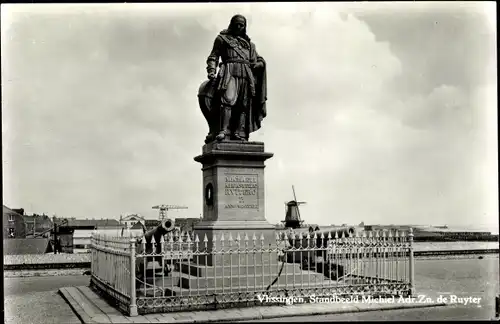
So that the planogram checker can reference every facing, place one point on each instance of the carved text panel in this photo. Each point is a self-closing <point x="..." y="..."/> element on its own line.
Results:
<point x="241" y="191"/>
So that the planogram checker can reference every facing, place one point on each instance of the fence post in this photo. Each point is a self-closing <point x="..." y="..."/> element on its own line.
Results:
<point x="133" y="305"/>
<point x="412" y="263"/>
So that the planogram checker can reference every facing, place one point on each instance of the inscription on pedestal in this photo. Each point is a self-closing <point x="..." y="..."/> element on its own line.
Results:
<point x="241" y="191"/>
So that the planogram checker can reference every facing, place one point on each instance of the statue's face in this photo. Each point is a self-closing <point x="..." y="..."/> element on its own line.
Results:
<point x="239" y="26"/>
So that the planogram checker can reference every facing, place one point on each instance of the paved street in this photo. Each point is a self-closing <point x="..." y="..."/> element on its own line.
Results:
<point x="35" y="300"/>
<point x="16" y="286"/>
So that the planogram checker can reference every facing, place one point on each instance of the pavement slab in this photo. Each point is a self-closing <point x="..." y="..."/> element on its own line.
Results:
<point x="91" y="308"/>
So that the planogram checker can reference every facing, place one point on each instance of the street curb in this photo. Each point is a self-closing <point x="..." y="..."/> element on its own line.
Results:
<point x="75" y="307"/>
<point x="87" y="313"/>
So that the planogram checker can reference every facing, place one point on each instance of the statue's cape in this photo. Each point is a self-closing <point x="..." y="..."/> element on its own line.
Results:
<point x="258" y="111"/>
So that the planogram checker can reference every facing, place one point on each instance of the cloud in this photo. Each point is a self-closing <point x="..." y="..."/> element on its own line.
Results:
<point x="102" y="115"/>
<point x="438" y="43"/>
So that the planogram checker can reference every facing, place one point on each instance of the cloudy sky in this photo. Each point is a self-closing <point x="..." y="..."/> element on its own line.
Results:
<point x="382" y="113"/>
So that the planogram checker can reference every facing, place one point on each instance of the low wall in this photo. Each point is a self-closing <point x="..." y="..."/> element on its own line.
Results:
<point x="45" y="258"/>
<point x="42" y="273"/>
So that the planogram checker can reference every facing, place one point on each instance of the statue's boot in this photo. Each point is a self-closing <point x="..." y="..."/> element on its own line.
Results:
<point x="210" y="137"/>
<point x="226" y="119"/>
<point x="221" y="136"/>
<point x="240" y="133"/>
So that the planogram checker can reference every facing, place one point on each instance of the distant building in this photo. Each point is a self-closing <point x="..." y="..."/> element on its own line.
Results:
<point x="74" y="234"/>
<point x="136" y="226"/>
<point x="85" y="223"/>
<point x="81" y="237"/>
<point x="66" y="240"/>
<point x="151" y="223"/>
<point x="37" y="224"/>
<point x="13" y="223"/>
<point x="131" y="220"/>
<point x="186" y="224"/>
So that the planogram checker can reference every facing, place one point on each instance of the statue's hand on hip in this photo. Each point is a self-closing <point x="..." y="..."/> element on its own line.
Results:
<point x="258" y="65"/>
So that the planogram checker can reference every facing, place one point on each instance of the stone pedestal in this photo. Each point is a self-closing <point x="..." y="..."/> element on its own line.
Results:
<point x="234" y="206"/>
<point x="234" y="196"/>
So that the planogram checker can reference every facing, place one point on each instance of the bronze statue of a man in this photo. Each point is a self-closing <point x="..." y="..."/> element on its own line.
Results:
<point x="234" y="99"/>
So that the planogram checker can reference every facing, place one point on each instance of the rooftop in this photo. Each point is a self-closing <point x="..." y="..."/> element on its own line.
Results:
<point x="7" y="211"/>
<point x="26" y="246"/>
<point x="73" y="222"/>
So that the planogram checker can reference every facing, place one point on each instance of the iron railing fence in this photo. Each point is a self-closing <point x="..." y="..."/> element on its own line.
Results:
<point x="186" y="273"/>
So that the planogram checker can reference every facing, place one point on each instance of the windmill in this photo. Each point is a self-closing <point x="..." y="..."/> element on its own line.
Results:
<point x="292" y="213"/>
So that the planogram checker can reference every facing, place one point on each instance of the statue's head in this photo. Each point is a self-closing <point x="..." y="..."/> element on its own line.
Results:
<point x="238" y="25"/>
